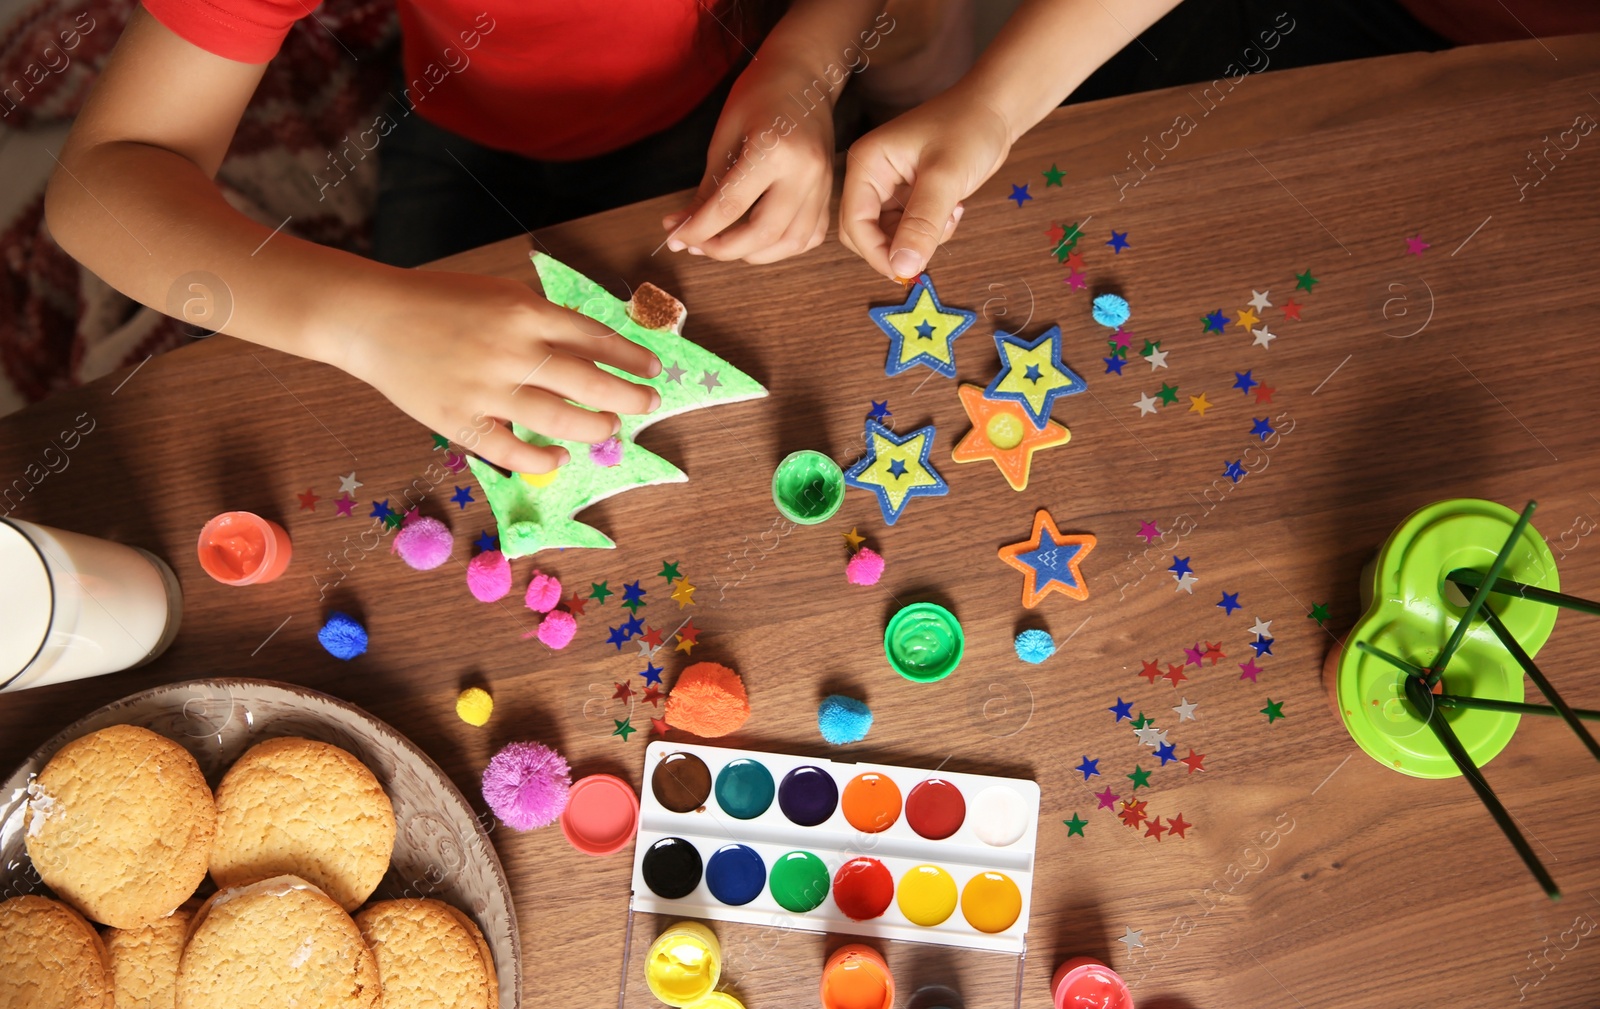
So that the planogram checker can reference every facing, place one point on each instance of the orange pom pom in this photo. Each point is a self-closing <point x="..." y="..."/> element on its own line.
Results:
<point x="708" y="700"/>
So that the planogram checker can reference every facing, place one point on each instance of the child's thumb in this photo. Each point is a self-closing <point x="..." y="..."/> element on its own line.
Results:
<point x="925" y="223"/>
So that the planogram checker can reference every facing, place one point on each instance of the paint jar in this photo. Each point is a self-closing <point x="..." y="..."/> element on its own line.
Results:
<point x="808" y="487"/>
<point x="924" y="642"/>
<point x="1085" y="983"/>
<point x="684" y="964"/>
<point x="856" y="977"/>
<point x="242" y="548"/>
<point x="601" y="815"/>
<point x="76" y="606"/>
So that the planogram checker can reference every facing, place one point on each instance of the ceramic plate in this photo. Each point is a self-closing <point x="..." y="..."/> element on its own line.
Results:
<point x="441" y="849"/>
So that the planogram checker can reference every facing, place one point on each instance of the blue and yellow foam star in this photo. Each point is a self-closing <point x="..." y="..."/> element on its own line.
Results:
<point x="897" y="469"/>
<point x="1033" y="374"/>
<point x="922" y="330"/>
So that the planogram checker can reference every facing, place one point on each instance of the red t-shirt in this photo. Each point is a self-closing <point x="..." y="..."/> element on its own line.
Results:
<point x="549" y="79"/>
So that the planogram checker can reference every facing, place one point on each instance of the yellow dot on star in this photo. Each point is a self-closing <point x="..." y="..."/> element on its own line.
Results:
<point x="937" y="343"/>
<point x="1199" y="404"/>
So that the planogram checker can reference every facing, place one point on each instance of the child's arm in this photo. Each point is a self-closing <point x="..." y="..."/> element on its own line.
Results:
<point x="905" y="180"/>
<point x="772" y="152"/>
<point x="133" y="200"/>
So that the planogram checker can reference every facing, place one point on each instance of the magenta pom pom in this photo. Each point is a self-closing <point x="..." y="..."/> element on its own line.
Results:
<point x="544" y="592"/>
<point x="865" y="568"/>
<point x="608" y="453"/>
<point x="489" y="576"/>
<point x="526" y="785"/>
<point x="424" y="543"/>
<point x="557" y="629"/>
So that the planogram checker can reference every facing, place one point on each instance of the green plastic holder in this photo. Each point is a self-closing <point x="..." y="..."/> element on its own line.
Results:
<point x="808" y="487"/>
<point x="1411" y="612"/>
<point x="924" y="642"/>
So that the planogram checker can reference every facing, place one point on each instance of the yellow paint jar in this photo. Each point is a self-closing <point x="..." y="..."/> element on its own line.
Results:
<point x="684" y="964"/>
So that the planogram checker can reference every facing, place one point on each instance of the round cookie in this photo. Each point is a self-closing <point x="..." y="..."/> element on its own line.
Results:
<point x="280" y="942"/>
<point x="430" y="956"/>
<point x="305" y="808"/>
<point x="50" y="958"/>
<point x="120" y="825"/>
<point x="144" y="960"/>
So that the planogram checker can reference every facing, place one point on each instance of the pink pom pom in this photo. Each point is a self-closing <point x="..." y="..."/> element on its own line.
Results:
<point x="865" y="568"/>
<point x="526" y="785"/>
<point x="557" y="629"/>
<point x="608" y="453"/>
<point x="489" y="576"/>
<point x="544" y="592"/>
<point x="424" y="543"/>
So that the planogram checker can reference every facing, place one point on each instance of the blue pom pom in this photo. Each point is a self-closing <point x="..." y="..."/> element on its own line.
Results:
<point x="342" y="636"/>
<point x="1035" y="646"/>
<point x="843" y="719"/>
<point x="1110" y="310"/>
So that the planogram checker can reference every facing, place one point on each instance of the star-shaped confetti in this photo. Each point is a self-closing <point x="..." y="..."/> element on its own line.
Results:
<point x="1291" y="311"/>
<point x="1151" y="671"/>
<point x="1261" y="628"/>
<point x="1193" y="656"/>
<point x="1052" y="177"/>
<point x="1234" y="471"/>
<point x="1186" y="583"/>
<point x="1214" y="652"/>
<point x="1077" y="280"/>
<point x="922" y="330"/>
<point x="652" y="674"/>
<point x="1149" y="735"/>
<point x="308" y="500"/>
<point x="617" y="636"/>
<point x="1174" y="674"/>
<point x="1273" y="711"/>
<point x="1248" y="670"/>
<point x="344" y="505"/>
<point x="1146" y="404"/>
<point x="599" y="592"/>
<point x="1245" y="318"/>
<point x="1122" y="709"/>
<point x="381" y="511"/>
<point x="1133" y="940"/>
<point x="669" y="571"/>
<point x="1090" y="768"/>
<point x="1179" y="566"/>
<point x="1186" y="710"/>
<point x="349" y="484"/>
<point x="1074" y="261"/>
<point x="1149" y="532"/>
<point x="659" y="725"/>
<point x="1020" y="194"/>
<point x="1132" y="814"/>
<point x="1157" y="359"/>
<point x="1168" y="394"/>
<point x="1075" y="825"/>
<point x="462" y="496"/>
<point x="875" y="471"/>
<point x="1050" y="562"/>
<point x="1033" y="373"/>
<point x="1142" y="722"/>
<point x="1215" y="322"/>
<point x="1154" y="829"/>
<point x="1067" y="242"/>
<point x="1193" y="761"/>
<point x="633" y="596"/>
<point x="1108" y="798"/>
<point x="1140" y="778"/>
<point x="674" y="373"/>
<point x="1319" y="613"/>
<point x="1119" y="241"/>
<point x="652" y="696"/>
<point x="1003" y="433"/>
<point x="1264" y="395"/>
<point x="1262" y="427"/>
<point x="688" y="637"/>
<point x="1264" y="337"/>
<point x="1230" y="602"/>
<point x="1178" y="826"/>
<point x="1415" y="245"/>
<point x="683" y="593"/>
<point x="484" y="542"/>
<point x="1305" y="282"/>
<point x="1243" y="382"/>
<point x="1113" y="365"/>
<point x="624" y="728"/>
<point x="1263" y="646"/>
<point x="1199" y="404"/>
<point x="624" y="692"/>
<point x="854" y="538"/>
<point x="1165" y="752"/>
<point x="710" y="380"/>
<point x="1259" y="302"/>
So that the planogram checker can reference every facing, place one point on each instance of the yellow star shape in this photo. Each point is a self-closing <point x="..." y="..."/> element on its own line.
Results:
<point x="1041" y="359"/>
<point x="1199" y="404"/>
<point x="686" y="645"/>
<point x="1248" y="318"/>
<point x="683" y="593"/>
<point x="912" y="473"/>
<point x="937" y="343"/>
<point x="854" y="538"/>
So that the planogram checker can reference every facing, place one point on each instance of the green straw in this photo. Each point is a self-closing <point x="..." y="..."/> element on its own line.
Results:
<point x="1514" y="707"/>
<point x="1537" y="676"/>
<point x="1483" y="592"/>
<point x="1421" y="699"/>
<point x="1393" y="660"/>
<point x="1467" y="578"/>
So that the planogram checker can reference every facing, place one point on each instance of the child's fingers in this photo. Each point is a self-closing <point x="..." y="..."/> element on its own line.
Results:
<point x="554" y="417"/>
<point x="580" y="381"/>
<point x="805" y="232"/>
<point x="504" y="449"/>
<point x="869" y="190"/>
<point x="593" y="340"/>
<point x="675" y="220"/>
<point x="770" y="227"/>
<point x="727" y="203"/>
<point x="934" y="197"/>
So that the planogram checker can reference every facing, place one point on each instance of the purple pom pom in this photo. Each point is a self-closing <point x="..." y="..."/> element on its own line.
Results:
<point x="607" y="453"/>
<point x="423" y="543"/>
<point x="526" y="785"/>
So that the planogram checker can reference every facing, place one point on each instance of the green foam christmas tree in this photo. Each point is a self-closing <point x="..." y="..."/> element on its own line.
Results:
<point x="537" y="512"/>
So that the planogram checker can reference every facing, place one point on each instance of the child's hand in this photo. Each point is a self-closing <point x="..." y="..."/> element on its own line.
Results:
<point x="464" y="353"/>
<point x="770" y="157"/>
<point x="904" y="181"/>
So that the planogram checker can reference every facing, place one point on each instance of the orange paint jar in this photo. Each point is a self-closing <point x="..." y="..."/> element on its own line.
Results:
<point x="856" y="977"/>
<point x="242" y="548"/>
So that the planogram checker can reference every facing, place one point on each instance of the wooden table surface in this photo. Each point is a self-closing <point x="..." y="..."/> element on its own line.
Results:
<point x="1313" y="876"/>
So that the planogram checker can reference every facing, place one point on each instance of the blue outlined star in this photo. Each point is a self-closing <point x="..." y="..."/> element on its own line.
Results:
<point x="1021" y="195"/>
<point x="380" y="510"/>
<point x="1216" y="322"/>
<point x="1180" y="566"/>
<point x="1262" y="427"/>
<point x="880" y="410"/>
<point x="1122" y="709"/>
<point x="922" y="330"/>
<point x="1113" y="364"/>
<point x="1234" y="470"/>
<point x="485" y="542"/>
<point x="1033" y="374"/>
<point x="1263" y="646"/>
<point x="462" y="496"/>
<point x="875" y="471"/>
<point x="652" y="673"/>
<point x="1119" y="241"/>
<point x="1090" y="768"/>
<point x="1230" y="602"/>
<point x="1243" y="382"/>
<point x="1166" y="753"/>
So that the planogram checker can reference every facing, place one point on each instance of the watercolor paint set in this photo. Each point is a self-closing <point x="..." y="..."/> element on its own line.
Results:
<point x="828" y="846"/>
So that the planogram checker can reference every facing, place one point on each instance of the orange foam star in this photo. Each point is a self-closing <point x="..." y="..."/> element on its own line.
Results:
<point x="1003" y="432"/>
<point x="1044" y="527"/>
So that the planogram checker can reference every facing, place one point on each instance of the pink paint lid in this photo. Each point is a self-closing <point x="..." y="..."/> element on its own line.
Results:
<point x="1084" y="981"/>
<point x="602" y="814"/>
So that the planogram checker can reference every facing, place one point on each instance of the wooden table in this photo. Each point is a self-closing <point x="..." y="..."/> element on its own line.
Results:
<point x="1313" y="876"/>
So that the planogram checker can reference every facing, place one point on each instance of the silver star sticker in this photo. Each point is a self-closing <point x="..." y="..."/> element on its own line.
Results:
<point x="1160" y="738"/>
<point x="1260" y="302"/>
<point x="674" y="373"/>
<point x="1147" y="736"/>
<point x="1186" y="710"/>
<point x="1186" y="582"/>
<point x="1157" y="359"/>
<point x="1264" y="336"/>
<point x="1133" y="940"/>
<point x="645" y="651"/>
<point x="1146" y="404"/>
<point x="709" y="380"/>
<point x="348" y="484"/>
<point x="1262" y="628"/>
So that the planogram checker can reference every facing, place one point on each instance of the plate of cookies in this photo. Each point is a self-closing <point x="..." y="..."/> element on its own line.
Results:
<point x="243" y="844"/>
